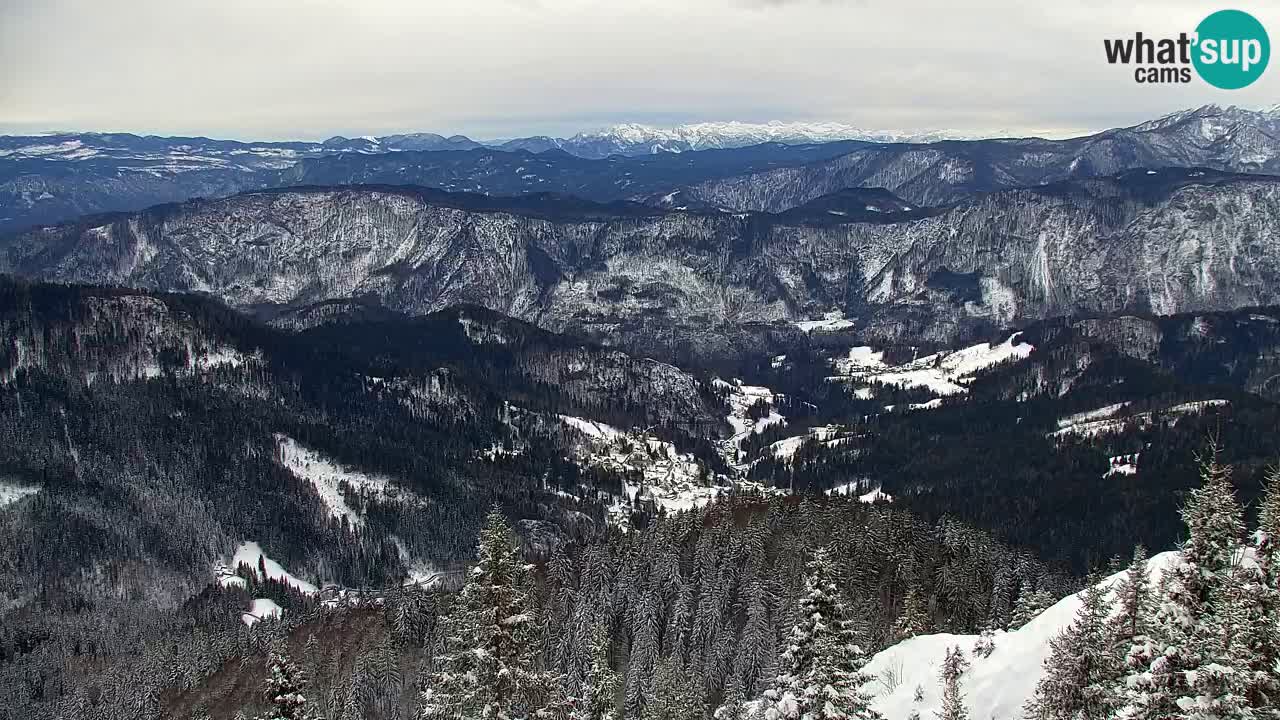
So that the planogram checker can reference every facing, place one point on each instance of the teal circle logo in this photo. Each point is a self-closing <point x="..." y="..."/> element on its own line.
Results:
<point x="1232" y="49"/>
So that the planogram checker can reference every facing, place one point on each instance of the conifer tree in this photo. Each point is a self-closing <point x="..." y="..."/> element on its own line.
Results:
<point x="598" y="699"/>
<point x="283" y="689"/>
<point x="1135" y="603"/>
<point x="1184" y="648"/>
<point x="985" y="644"/>
<point x="1080" y="669"/>
<point x="1228" y="642"/>
<point x="676" y="695"/>
<point x="1265" y="684"/>
<point x="822" y="665"/>
<point x="1029" y="605"/>
<point x="914" y="618"/>
<point x="953" y="667"/>
<point x="1132" y="648"/>
<point x="486" y="667"/>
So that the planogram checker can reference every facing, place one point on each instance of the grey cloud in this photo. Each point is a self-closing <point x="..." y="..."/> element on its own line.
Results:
<point x="491" y="68"/>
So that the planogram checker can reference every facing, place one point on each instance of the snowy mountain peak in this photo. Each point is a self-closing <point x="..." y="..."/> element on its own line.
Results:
<point x="734" y="133"/>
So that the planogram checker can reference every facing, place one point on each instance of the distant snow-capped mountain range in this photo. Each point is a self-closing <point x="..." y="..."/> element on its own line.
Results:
<point x="628" y="139"/>
<point x="635" y="138"/>
<point x="764" y="166"/>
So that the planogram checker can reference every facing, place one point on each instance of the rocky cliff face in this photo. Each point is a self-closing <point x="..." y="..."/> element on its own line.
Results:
<point x="1153" y="242"/>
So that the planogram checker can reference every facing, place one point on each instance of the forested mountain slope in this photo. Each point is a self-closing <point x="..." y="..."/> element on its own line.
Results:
<point x="690" y="284"/>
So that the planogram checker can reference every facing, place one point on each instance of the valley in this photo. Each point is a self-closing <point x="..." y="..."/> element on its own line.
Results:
<point x="310" y="414"/>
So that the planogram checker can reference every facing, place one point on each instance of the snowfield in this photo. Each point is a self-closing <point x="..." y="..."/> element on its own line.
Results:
<point x="995" y="687"/>
<point x="1091" y="415"/>
<point x="825" y="435"/>
<point x="871" y="496"/>
<point x="326" y="476"/>
<point x="261" y="610"/>
<point x="831" y="322"/>
<point x="1080" y="425"/>
<point x="13" y="492"/>
<point x="248" y="553"/>
<point x="943" y="374"/>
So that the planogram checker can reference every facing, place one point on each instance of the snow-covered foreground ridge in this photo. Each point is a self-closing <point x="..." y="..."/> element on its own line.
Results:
<point x="995" y="687"/>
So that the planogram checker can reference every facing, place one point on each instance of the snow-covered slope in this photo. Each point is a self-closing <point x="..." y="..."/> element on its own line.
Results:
<point x="995" y="687"/>
<point x="672" y="480"/>
<point x="636" y="138"/>
<point x="250" y="553"/>
<point x="328" y="477"/>
<point x="1102" y="421"/>
<point x="940" y="373"/>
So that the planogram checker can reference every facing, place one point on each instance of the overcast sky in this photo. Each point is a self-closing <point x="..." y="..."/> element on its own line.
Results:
<point x="309" y="69"/>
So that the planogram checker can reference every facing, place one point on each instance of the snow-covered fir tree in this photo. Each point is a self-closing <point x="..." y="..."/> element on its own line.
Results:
<point x="1135" y="604"/>
<point x="283" y="689"/>
<point x="676" y="693"/>
<point x="1134" y="607"/>
<point x="821" y="676"/>
<point x="1030" y="604"/>
<point x="487" y="667"/>
<point x="598" y="697"/>
<point x="1081" y="667"/>
<point x="954" y="666"/>
<point x="985" y="644"/>
<point x="1265" y="684"/>
<point x="914" y="618"/>
<point x="1182" y="675"/>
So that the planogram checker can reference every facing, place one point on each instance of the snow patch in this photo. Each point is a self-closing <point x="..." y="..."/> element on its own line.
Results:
<point x="11" y="492"/>
<point x="327" y="477"/>
<point x="995" y="687"/>
<point x="261" y="610"/>
<point x="870" y="496"/>
<point x="1091" y="415"/>
<point x="1095" y="428"/>
<point x="591" y="428"/>
<point x="834" y="320"/>
<point x="941" y="373"/>
<point x="482" y="333"/>
<point x="249" y="553"/>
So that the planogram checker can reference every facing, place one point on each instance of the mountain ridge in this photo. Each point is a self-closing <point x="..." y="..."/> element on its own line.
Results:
<point x="1164" y="242"/>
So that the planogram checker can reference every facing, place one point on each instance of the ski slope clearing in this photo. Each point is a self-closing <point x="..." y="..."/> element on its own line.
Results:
<point x="261" y="609"/>
<point x="249" y="553"/>
<point x="1091" y="415"/>
<point x="875" y="495"/>
<point x="328" y="477"/>
<point x="995" y="687"/>
<point x="944" y="374"/>
<point x="825" y="435"/>
<point x="1085" y="428"/>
